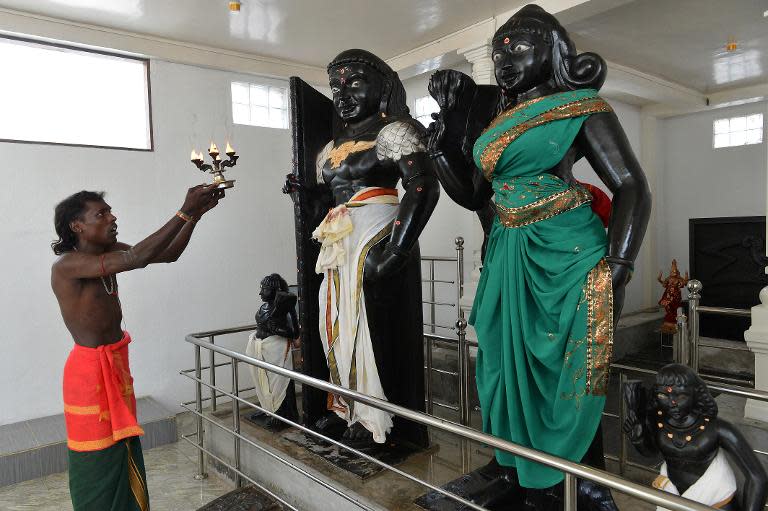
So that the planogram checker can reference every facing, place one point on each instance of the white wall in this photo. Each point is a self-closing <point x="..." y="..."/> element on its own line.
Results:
<point x="699" y="181"/>
<point x="214" y="284"/>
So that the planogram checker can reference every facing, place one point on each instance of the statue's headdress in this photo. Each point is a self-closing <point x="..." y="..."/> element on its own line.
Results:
<point x="276" y="282"/>
<point x="570" y="70"/>
<point x="393" y="95"/>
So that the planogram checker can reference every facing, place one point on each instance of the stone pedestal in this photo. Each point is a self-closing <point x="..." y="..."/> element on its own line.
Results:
<point x="757" y="340"/>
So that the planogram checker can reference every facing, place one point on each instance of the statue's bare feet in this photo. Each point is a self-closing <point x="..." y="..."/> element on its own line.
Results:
<point x="358" y="437"/>
<point x="330" y="425"/>
<point x="594" y="497"/>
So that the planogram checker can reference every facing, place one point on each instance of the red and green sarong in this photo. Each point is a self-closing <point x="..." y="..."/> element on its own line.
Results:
<point x="106" y="466"/>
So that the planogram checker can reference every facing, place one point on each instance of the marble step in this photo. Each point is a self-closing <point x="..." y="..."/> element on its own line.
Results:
<point x="38" y="447"/>
<point x="302" y="492"/>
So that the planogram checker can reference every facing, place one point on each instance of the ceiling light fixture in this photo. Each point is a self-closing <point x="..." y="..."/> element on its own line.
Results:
<point x="731" y="45"/>
<point x="234" y="6"/>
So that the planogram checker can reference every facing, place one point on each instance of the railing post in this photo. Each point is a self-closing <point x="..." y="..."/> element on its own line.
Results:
<point x="681" y="347"/>
<point x="694" y="295"/>
<point x="622" y="418"/>
<point x="199" y="405"/>
<point x="236" y="419"/>
<point x="429" y="343"/>
<point x="459" y="272"/>
<point x="212" y="374"/>
<point x="461" y="326"/>
<point x="569" y="492"/>
<point x="461" y="333"/>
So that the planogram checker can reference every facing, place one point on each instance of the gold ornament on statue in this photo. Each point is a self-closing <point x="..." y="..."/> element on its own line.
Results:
<point x="219" y="166"/>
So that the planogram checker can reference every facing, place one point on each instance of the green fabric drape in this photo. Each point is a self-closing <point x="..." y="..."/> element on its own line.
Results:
<point x="112" y="479"/>
<point x="541" y="365"/>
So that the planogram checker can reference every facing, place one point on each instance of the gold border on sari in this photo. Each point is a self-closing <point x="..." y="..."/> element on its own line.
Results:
<point x="599" y="293"/>
<point x="492" y="152"/>
<point x="544" y="208"/>
<point x="136" y="482"/>
<point x="332" y="363"/>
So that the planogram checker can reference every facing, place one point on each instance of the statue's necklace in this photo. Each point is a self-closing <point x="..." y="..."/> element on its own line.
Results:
<point x="681" y="439"/>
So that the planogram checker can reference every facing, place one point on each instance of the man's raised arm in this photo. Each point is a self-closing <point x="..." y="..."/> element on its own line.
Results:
<point x="82" y="265"/>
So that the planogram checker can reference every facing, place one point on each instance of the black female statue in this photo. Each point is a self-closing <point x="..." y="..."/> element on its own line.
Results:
<point x="677" y="417"/>
<point x="276" y="328"/>
<point x="370" y="312"/>
<point x="553" y="281"/>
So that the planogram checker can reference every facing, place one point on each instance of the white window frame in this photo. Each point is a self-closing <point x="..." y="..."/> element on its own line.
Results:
<point x="273" y="99"/>
<point x="423" y="108"/>
<point x="738" y="131"/>
<point x="148" y="146"/>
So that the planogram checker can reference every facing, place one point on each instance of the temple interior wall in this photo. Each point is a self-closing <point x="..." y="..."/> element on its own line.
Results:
<point x="215" y="284"/>
<point x="697" y="181"/>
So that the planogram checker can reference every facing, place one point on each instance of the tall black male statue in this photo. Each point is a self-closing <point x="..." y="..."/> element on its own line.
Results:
<point x="362" y="319"/>
<point x="553" y="280"/>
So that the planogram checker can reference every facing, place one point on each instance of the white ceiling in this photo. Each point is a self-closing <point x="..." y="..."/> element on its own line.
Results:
<point x="304" y="31"/>
<point x="683" y="40"/>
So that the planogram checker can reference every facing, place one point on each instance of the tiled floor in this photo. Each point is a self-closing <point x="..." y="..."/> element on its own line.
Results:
<point x="172" y="487"/>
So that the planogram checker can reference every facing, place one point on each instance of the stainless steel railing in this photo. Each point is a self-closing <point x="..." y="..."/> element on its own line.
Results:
<point x="571" y="470"/>
<point x="694" y="311"/>
<point x="460" y="327"/>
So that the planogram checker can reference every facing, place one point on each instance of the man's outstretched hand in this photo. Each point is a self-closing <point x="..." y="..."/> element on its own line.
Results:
<point x="200" y="199"/>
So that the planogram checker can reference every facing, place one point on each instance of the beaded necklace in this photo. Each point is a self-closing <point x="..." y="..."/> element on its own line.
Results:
<point x="681" y="439"/>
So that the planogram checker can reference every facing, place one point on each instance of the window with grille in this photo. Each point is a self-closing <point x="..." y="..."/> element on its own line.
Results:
<point x="259" y="105"/>
<point x="737" y="131"/>
<point x="423" y="108"/>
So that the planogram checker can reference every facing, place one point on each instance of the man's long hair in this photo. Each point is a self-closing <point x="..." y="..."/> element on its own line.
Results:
<point x="67" y="211"/>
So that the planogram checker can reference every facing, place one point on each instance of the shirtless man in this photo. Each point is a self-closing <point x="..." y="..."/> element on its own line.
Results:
<point x="106" y="468"/>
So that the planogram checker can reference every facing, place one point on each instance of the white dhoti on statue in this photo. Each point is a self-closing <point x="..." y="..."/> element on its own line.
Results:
<point x="347" y="233"/>
<point x="716" y="487"/>
<point x="270" y="387"/>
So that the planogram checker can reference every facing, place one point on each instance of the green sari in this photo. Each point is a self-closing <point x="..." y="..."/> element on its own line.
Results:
<point x="111" y="479"/>
<point x="543" y="309"/>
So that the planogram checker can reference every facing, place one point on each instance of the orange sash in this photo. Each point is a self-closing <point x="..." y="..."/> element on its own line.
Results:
<point x="99" y="405"/>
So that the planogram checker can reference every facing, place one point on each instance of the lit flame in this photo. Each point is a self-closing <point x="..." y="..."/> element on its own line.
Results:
<point x="193" y="156"/>
<point x="229" y="149"/>
<point x="213" y="148"/>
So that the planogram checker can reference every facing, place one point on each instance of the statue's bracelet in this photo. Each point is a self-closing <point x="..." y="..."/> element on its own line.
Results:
<point x="624" y="262"/>
<point x="435" y="154"/>
<point x="394" y="249"/>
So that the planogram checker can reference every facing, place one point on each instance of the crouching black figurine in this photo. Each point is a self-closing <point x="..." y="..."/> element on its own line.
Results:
<point x="677" y="417"/>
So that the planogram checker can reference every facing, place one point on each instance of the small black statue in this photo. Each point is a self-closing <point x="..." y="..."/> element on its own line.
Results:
<point x="276" y="327"/>
<point x="677" y="417"/>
